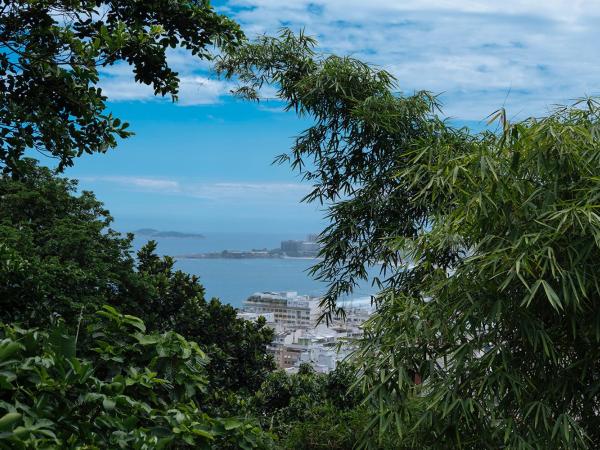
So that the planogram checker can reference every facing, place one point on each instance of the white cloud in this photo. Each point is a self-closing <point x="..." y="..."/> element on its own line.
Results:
<point x="540" y="51"/>
<point x="198" y="90"/>
<point x="216" y="191"/>
<point x="277" y="109"/>
<point x="124" y="88"/>
<point x="118" y="84"/>
<point x="159" y="184"/>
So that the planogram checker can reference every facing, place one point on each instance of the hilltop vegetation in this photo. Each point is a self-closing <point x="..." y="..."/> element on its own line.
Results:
<point x="490" y="338"/>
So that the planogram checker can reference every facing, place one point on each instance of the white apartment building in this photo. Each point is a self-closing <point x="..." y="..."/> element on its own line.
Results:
<point x="298" y="338"/>
<point x="290" y="310"/>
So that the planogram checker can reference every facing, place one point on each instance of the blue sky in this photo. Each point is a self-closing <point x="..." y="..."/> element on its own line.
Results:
<point x="204" y="164"/>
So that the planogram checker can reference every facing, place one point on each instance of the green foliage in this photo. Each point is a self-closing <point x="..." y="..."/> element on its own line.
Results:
<point x="283" y="398"/>
<point x="129" y="390"/>
<point x="487" y="331"/>
<point x="350" y="154"/>
<point x="325" y="427"/>
<point x="309" y="410"/>
<point x="500" y="314"/>
<point x="50" y="53"/>
<point x="58" y="254"/>
<point x="59" y="258"/>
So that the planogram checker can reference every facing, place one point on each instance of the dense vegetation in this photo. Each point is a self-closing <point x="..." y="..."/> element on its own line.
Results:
<point x="124" y="389"/>
<point x="487" y="332"/>
<point x="487" y="329"/>
<point x="136" y="376"/>
<point x="312" y="411"/>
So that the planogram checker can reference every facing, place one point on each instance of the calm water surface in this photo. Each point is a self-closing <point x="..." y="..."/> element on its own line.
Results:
<point x="233" y="280"/>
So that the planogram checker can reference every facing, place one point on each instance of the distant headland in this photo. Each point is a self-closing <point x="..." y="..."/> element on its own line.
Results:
<point x="308" y="249"/>
<point x="151" y="232"/>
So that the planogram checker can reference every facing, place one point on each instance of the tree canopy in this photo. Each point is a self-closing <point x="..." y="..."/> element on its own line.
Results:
<point x="486" y="332"/>
<point x="487" y="329"/>
<point x="50" y="53"/>
<point x="311" y="411"/>
<point x="61" y="259"/>
<point x="499" y="316"/>
<point x="126" y="389"/>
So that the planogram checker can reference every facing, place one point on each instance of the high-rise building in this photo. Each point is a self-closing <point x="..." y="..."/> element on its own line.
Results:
<point x="298" y="338"/>
<point x="308" y="248"/>
<point x="290" y="310"/>
<point x="291" y="248"/>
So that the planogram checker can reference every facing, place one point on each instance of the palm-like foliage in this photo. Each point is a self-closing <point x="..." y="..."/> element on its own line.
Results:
<point x="490" y="337"/>
<point x="506" y="337"/>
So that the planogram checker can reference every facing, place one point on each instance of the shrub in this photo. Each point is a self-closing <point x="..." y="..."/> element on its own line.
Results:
<point x="129" y="389"/>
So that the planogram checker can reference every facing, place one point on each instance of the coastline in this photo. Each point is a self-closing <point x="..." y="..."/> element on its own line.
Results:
<point x="244" y="256"/>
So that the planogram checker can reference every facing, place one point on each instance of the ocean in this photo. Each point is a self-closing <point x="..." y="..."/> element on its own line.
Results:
<point x="234" y="280"/>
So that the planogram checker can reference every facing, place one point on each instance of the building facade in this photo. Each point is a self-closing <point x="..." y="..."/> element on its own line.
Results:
<point x="309" y="248"/>
<point x="290" y="310"/>
<point x="299" y="338"/>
